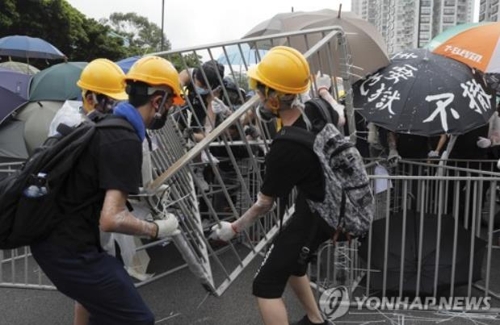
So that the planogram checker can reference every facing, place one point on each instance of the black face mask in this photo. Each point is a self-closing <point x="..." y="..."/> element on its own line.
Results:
<point x="158" y="121"/>
<point x="264" y="115"/>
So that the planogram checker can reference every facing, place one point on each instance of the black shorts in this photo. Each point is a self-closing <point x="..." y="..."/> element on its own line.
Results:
<point x="282" y="258"/>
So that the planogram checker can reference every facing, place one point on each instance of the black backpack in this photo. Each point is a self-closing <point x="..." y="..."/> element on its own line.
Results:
<point x="29" y="207"/>
<point x="349" y="202"/>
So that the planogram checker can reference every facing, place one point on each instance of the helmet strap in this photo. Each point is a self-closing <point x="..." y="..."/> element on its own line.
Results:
<point x="161" y="108"/>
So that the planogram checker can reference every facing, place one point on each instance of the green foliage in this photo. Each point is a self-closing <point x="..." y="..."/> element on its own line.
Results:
<point x="187" y="61"/>
<point x="8" y="14"/>
<point x="142" y="35"/>
<point x="56" y="21"/>
<point x="84" y="39"/>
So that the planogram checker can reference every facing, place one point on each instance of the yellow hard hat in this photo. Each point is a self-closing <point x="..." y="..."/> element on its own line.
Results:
<point x="105" y="77"/>
<point x="157" y="71"/>
<point x="283" y="69"/>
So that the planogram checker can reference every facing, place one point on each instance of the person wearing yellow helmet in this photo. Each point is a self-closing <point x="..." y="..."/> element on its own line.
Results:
<point x="280" y="79"/>
<point x="95" y="200"/>
<point x="102" y="84"/>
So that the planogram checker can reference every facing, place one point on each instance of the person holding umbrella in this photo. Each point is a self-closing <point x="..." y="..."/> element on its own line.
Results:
<point x="95" y="199"/>
<point x="280" y="79"/>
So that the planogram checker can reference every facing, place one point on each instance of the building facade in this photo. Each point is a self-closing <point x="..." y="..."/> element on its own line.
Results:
<point x="407" y="24"/>
<point x="489" y="10"/>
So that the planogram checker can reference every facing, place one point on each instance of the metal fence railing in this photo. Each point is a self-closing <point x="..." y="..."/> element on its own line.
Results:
<point x="203" y="183"/>
<point x="435" y="234"/>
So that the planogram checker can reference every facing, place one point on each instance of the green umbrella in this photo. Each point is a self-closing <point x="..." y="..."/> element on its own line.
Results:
<point x="37" y="117"/>
<point x="57" y="82"/>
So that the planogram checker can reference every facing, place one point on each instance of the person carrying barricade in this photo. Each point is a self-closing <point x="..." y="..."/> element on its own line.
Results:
<point x="280" y="79"/>
<point x="94" y="198"/>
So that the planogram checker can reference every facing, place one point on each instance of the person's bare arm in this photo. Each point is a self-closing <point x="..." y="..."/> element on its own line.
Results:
<point x="115" y="217"/>
<point x="184" y="77"/>
<point x="392" y="141"/>
<point x="442" y="141"/>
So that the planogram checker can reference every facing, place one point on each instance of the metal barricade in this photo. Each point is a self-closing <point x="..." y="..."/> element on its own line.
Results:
<point x="231" y="164"/>
<point x="433" y="235"/>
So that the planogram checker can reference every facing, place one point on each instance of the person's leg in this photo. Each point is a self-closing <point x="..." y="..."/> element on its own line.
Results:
<point x="97" y="281"/>
<point x="273" y="311"/>
<point x="81" y="315"/>
<point x="302" y="289"/>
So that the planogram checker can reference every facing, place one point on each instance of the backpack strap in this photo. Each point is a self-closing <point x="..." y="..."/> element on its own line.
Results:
<point x="324" y="108"/>
<point x="327" y="113"/>
<point x="296" y="134"/>
<point x="112" y="121"/>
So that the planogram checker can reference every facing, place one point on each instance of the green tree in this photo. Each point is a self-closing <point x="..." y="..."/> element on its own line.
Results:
<point x="190" y="60"/>
<point x="8" y="14"/>
<point x="57" y="22"/>
<point x="142" y="35"/>
<point x="99" y="43"/>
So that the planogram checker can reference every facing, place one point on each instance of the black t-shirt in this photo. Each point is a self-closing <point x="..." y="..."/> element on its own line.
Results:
<point x="112" y="161"/>
<point x="199" y="109"/>
<point x="290" y="164"/>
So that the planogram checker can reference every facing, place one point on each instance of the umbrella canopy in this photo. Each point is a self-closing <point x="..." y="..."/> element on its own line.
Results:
<point x="16" y="82"/>
<point x="37" y="117"/>
<point x="28" y="47"/>
<point x="19" y="67"/>
<point x="12" y="145"/>
<point x="9" y="102"/>
<point x="127" y="63"/>
<point x="475" y="44"/>
<point x="366" y="45"/>
<point x="236" y="57"/>
<point x="57" y="82"/>
<point x="424" y="94"/>
<point x="428" y="232"/>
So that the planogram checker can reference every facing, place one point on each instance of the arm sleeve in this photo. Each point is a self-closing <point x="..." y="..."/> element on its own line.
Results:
<point x="120" y="165"/>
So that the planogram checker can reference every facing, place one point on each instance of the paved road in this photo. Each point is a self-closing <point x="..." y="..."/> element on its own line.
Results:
<point x="178" y="299"/>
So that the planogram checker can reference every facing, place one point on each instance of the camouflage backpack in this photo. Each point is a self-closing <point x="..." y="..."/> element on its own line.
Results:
<point x="348" y="201"/>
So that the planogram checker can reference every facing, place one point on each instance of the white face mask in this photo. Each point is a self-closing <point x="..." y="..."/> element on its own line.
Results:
<point x="201" y="91"/>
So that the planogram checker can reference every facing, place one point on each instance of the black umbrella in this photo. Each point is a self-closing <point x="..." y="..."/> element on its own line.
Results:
<point x="428" y="255"/>
<point x="424" y="94"/>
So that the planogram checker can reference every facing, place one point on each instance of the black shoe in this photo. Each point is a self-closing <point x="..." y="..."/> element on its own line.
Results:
<point x="305" y="321"/>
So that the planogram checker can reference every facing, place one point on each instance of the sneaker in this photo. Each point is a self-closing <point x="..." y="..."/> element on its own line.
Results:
<point x="305" y="321"/>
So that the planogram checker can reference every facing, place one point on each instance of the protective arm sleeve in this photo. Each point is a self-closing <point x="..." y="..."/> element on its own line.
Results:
<point x="263" y="205"/>
<point x="325" y="94"/>
<point x="116" y="218"/>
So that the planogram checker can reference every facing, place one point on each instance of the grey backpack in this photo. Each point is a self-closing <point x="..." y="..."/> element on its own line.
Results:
<point x="348" y="201"/>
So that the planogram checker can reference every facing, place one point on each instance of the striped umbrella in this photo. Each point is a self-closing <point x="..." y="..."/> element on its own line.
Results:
<point x="475" y="44"/>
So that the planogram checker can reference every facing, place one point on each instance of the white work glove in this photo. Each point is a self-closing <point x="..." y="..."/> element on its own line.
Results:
<point x="393" y="157"/>
<point x="223" y="231"/>
<point x="323" y="81"/>
<point x="167" y="226"/>
<point x="219" y="107"/>
<point x="483" y="142"/>
<point x="433" y="154"/>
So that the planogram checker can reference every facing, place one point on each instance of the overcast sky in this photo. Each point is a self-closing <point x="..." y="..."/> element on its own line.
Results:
<point x="194" y="23"/>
